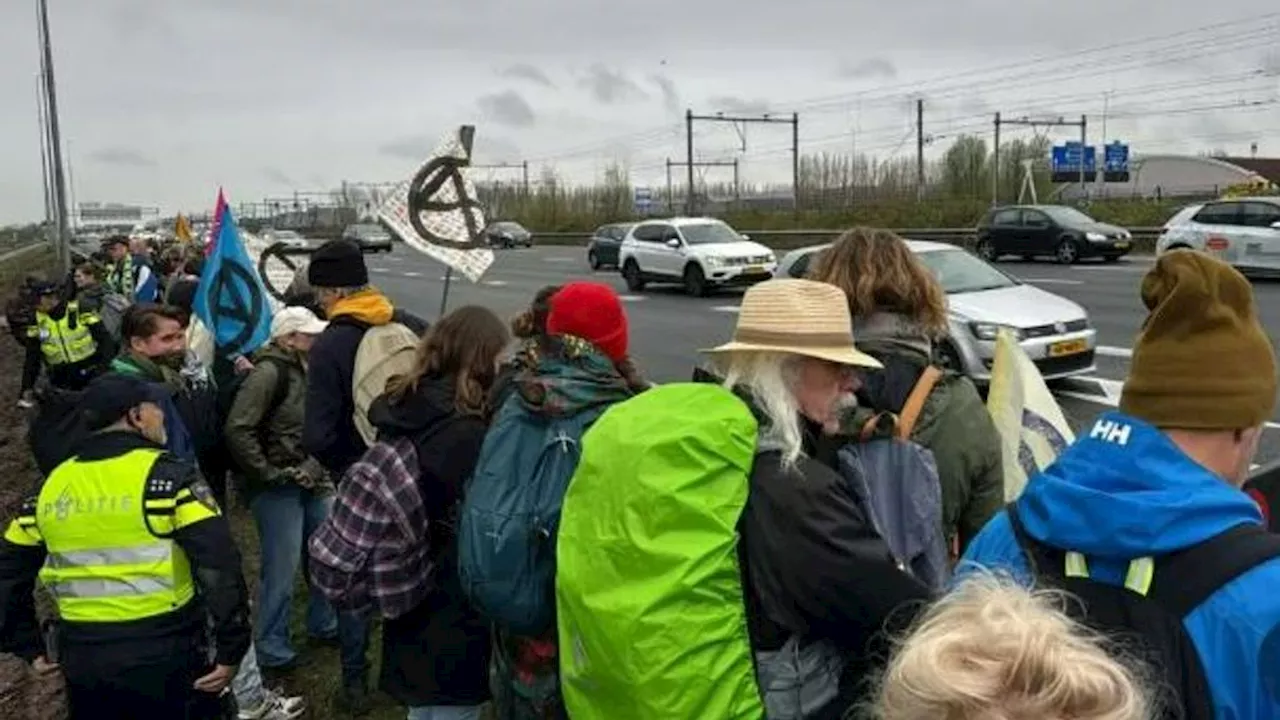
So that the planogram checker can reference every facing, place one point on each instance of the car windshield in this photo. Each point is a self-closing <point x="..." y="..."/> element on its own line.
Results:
<point x="1066" y="215"/>
<point x="709" y="233"/>
<point x="508" y="227"/>
<point x="959" y="272"/>
<point x="368" y="231"/>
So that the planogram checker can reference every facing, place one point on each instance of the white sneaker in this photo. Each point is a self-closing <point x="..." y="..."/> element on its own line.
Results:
<point x="276" y="706"/>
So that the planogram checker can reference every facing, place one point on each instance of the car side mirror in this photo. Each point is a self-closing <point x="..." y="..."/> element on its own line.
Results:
<point x="746" y="236"/>
<point x="673" y="243"/>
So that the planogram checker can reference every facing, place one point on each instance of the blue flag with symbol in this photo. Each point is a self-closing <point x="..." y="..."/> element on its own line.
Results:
<point x="231" y="300"/>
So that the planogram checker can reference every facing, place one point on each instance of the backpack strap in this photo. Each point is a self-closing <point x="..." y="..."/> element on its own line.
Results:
<point x="1180" y="581"/>
<point x="915" y="401"/>
<point x="281" y="388"/>
<point x="1187" y="578"/>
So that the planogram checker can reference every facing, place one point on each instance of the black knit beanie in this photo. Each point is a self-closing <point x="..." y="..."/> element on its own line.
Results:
<point x="337" y="264"/>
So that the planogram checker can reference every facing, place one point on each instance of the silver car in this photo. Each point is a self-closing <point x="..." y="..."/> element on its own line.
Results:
<point x="1244" y="232"/>
<point x="1054" y="331"/>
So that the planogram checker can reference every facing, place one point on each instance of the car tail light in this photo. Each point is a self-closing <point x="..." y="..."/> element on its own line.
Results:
<point x="1217" y="243"/>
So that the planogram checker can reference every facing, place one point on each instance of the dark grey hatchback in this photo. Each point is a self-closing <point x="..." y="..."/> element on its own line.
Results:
<point x="1057" y="231"/>
<point x="602" y="251"/>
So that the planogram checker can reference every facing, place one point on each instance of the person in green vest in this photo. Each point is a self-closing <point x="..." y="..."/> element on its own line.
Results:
<point x="137" y="555"/>
<point x="68" y="342"/>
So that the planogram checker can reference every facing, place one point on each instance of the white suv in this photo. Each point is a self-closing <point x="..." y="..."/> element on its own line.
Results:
<point x="698" y="253"/>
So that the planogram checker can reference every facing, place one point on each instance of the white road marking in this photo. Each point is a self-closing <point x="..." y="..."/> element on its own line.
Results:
<point x="631" y="298"/>
<point x="726" y="308"/>
<point x="1051" y="281"/>
<point x="1116" y="352"/>
<point x="379" y="270"/>
<point x="560" y="259"/>
<point x="412" y="274"/>
<point x="495" y="283"/>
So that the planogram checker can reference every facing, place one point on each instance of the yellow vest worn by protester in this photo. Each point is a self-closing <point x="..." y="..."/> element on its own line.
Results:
<point x="106" y="525"/>
<point x="66" y="341"/>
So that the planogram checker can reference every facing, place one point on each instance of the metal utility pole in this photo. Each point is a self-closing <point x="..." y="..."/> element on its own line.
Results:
<point x="523" y="167"/>
<point x="737" y="189"/>
<point x="55" y="142"/>
<point x="920" y="150"/>
<point x="793" y="121"/>
<point x="1082" y="123"/>
<point x="44" y="151"/>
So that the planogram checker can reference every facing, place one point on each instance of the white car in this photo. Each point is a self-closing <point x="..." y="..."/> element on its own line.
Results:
<point x="288" y="237"/>
<point x="1054" y="331"/>
<point x="1244" y="232"/>
<point x="699" y="253"/>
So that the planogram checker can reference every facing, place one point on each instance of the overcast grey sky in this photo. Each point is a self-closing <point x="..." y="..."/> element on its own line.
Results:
<point x="163" y="101"/>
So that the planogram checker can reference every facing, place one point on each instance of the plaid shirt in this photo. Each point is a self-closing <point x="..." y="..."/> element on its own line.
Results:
<point x="373" y="549"/>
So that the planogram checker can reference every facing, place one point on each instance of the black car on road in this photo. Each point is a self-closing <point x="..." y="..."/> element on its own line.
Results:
<point x="507" y="234"/>
<point x="1057" y="231"/>
<point x="602" y="251"/>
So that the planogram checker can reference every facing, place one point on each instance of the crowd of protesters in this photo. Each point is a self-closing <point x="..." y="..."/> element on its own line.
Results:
<point x="815" y="526"/>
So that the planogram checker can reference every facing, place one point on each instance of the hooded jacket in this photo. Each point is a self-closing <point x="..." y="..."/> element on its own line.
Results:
<point x="1117" y="496"/>
<point x="438" y="652"/>
<point x="329" y="432"/>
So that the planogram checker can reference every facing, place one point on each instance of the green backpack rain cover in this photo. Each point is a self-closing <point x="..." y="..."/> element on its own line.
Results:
<point x="649" y="593"/>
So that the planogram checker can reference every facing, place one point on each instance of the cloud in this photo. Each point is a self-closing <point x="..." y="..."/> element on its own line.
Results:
<point x="876" y="67"/>
<point x="1271" y="63"/>
<point x="507" y="108"/>
<point x="740" y="106"/>
<point x="489" y="150"/>
<point x="610" y="87"/>
<point x="121" y="157"/>
<point x="277" y="176"/>
<point x="410" y="147"/>
<point x="670" y="97"/>
<point x="525" y="71"/>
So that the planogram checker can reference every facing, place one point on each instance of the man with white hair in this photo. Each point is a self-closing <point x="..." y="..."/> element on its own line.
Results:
<point x="724" y="501"/>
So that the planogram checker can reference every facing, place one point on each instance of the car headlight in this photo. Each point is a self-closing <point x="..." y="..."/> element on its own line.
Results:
<point x="1094" y="237"/>
<point x="714" y="261"/>
<point x="988" y="331"/>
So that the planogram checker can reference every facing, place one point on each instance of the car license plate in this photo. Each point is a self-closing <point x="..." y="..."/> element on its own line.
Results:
<point x="1068" y="347"/>
<point x="754" y="270"/>
<point x="1122" y="245"/>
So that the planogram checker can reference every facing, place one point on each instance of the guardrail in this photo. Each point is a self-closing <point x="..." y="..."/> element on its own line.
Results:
<point x="1144" y="238"/>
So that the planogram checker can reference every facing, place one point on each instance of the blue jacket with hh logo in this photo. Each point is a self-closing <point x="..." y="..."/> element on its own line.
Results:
<point x="1125" y="491"/>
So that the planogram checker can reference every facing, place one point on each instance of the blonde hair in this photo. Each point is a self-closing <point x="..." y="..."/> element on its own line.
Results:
<point x="993" y="650"/>
<point x="770" y="378"/>
<point x="879" y="273"/>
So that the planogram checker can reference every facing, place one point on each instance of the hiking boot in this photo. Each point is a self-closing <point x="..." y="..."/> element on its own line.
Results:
<point x="354" y="700"/>
<point x="275" y="706"/>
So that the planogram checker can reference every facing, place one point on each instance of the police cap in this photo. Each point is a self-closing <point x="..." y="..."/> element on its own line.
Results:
<point x="110" y="397"/>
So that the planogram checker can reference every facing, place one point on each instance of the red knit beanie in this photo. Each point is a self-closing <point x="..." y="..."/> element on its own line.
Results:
<point x="592" y="312"/>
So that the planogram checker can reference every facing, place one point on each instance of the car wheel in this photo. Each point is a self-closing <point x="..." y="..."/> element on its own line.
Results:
<point x="631" y="273"/>
<point x="695" y="282"/>
<point x="593" y="260"/>
<point x="986" y="250"/>
<point x="948" y="358"/>
<point x="1067" y="252"/>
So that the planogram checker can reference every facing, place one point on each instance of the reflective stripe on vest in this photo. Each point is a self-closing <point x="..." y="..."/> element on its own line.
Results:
<point x="66" y="341"/>
<point x="104" y="564"/>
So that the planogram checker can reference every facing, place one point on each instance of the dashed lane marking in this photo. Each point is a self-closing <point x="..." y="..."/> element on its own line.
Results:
<point x="495" y="283"/>
<point x="560" y="259"/>
<point x="726" y="308"/>
<point x="1051" y="281"/>
<point x="1116" y="352"/>
<point x="412" y="274"/>
<point x="631" y="298"/>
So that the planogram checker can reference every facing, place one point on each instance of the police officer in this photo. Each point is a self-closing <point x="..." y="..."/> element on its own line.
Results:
<point x="69" y="342"/>
<point x="138" y="557"/>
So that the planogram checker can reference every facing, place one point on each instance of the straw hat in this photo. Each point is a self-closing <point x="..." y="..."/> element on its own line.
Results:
<point x="799" y="317"/>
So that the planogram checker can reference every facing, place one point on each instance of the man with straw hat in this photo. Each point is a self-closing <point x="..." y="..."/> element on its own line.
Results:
<point x="771" y="536"/>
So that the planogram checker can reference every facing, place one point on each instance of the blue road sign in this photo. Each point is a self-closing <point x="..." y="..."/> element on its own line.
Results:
<point x="643" y="200"/>
<point x="1065" y="160"/>
<point x="1116" y="162"/>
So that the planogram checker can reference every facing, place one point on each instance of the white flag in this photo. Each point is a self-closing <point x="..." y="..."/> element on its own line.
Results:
<point x="436" y="212"/>
<point x="1033" y="430"/>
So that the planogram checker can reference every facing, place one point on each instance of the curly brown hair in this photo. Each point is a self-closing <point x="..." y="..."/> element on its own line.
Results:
<point x="464" y="344"/>
<point x="879" y="273"/>
<point x="532" y="323"/>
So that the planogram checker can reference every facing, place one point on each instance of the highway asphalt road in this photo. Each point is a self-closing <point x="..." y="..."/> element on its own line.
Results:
<point x="668" y="328"/>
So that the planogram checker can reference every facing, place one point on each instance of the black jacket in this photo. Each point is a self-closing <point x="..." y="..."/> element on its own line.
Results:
<point x="815" y="567"/>
<point x="437" y="653"/>
<point x="329" y="433"/>
<point x="215" y="566"/>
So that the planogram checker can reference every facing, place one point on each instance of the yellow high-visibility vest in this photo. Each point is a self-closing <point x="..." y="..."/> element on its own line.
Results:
<point x="109" y="559"/>
<point x="66" y="341"/>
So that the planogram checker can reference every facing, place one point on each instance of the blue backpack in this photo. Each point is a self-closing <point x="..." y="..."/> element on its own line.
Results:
<point x="511" y="513"/>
